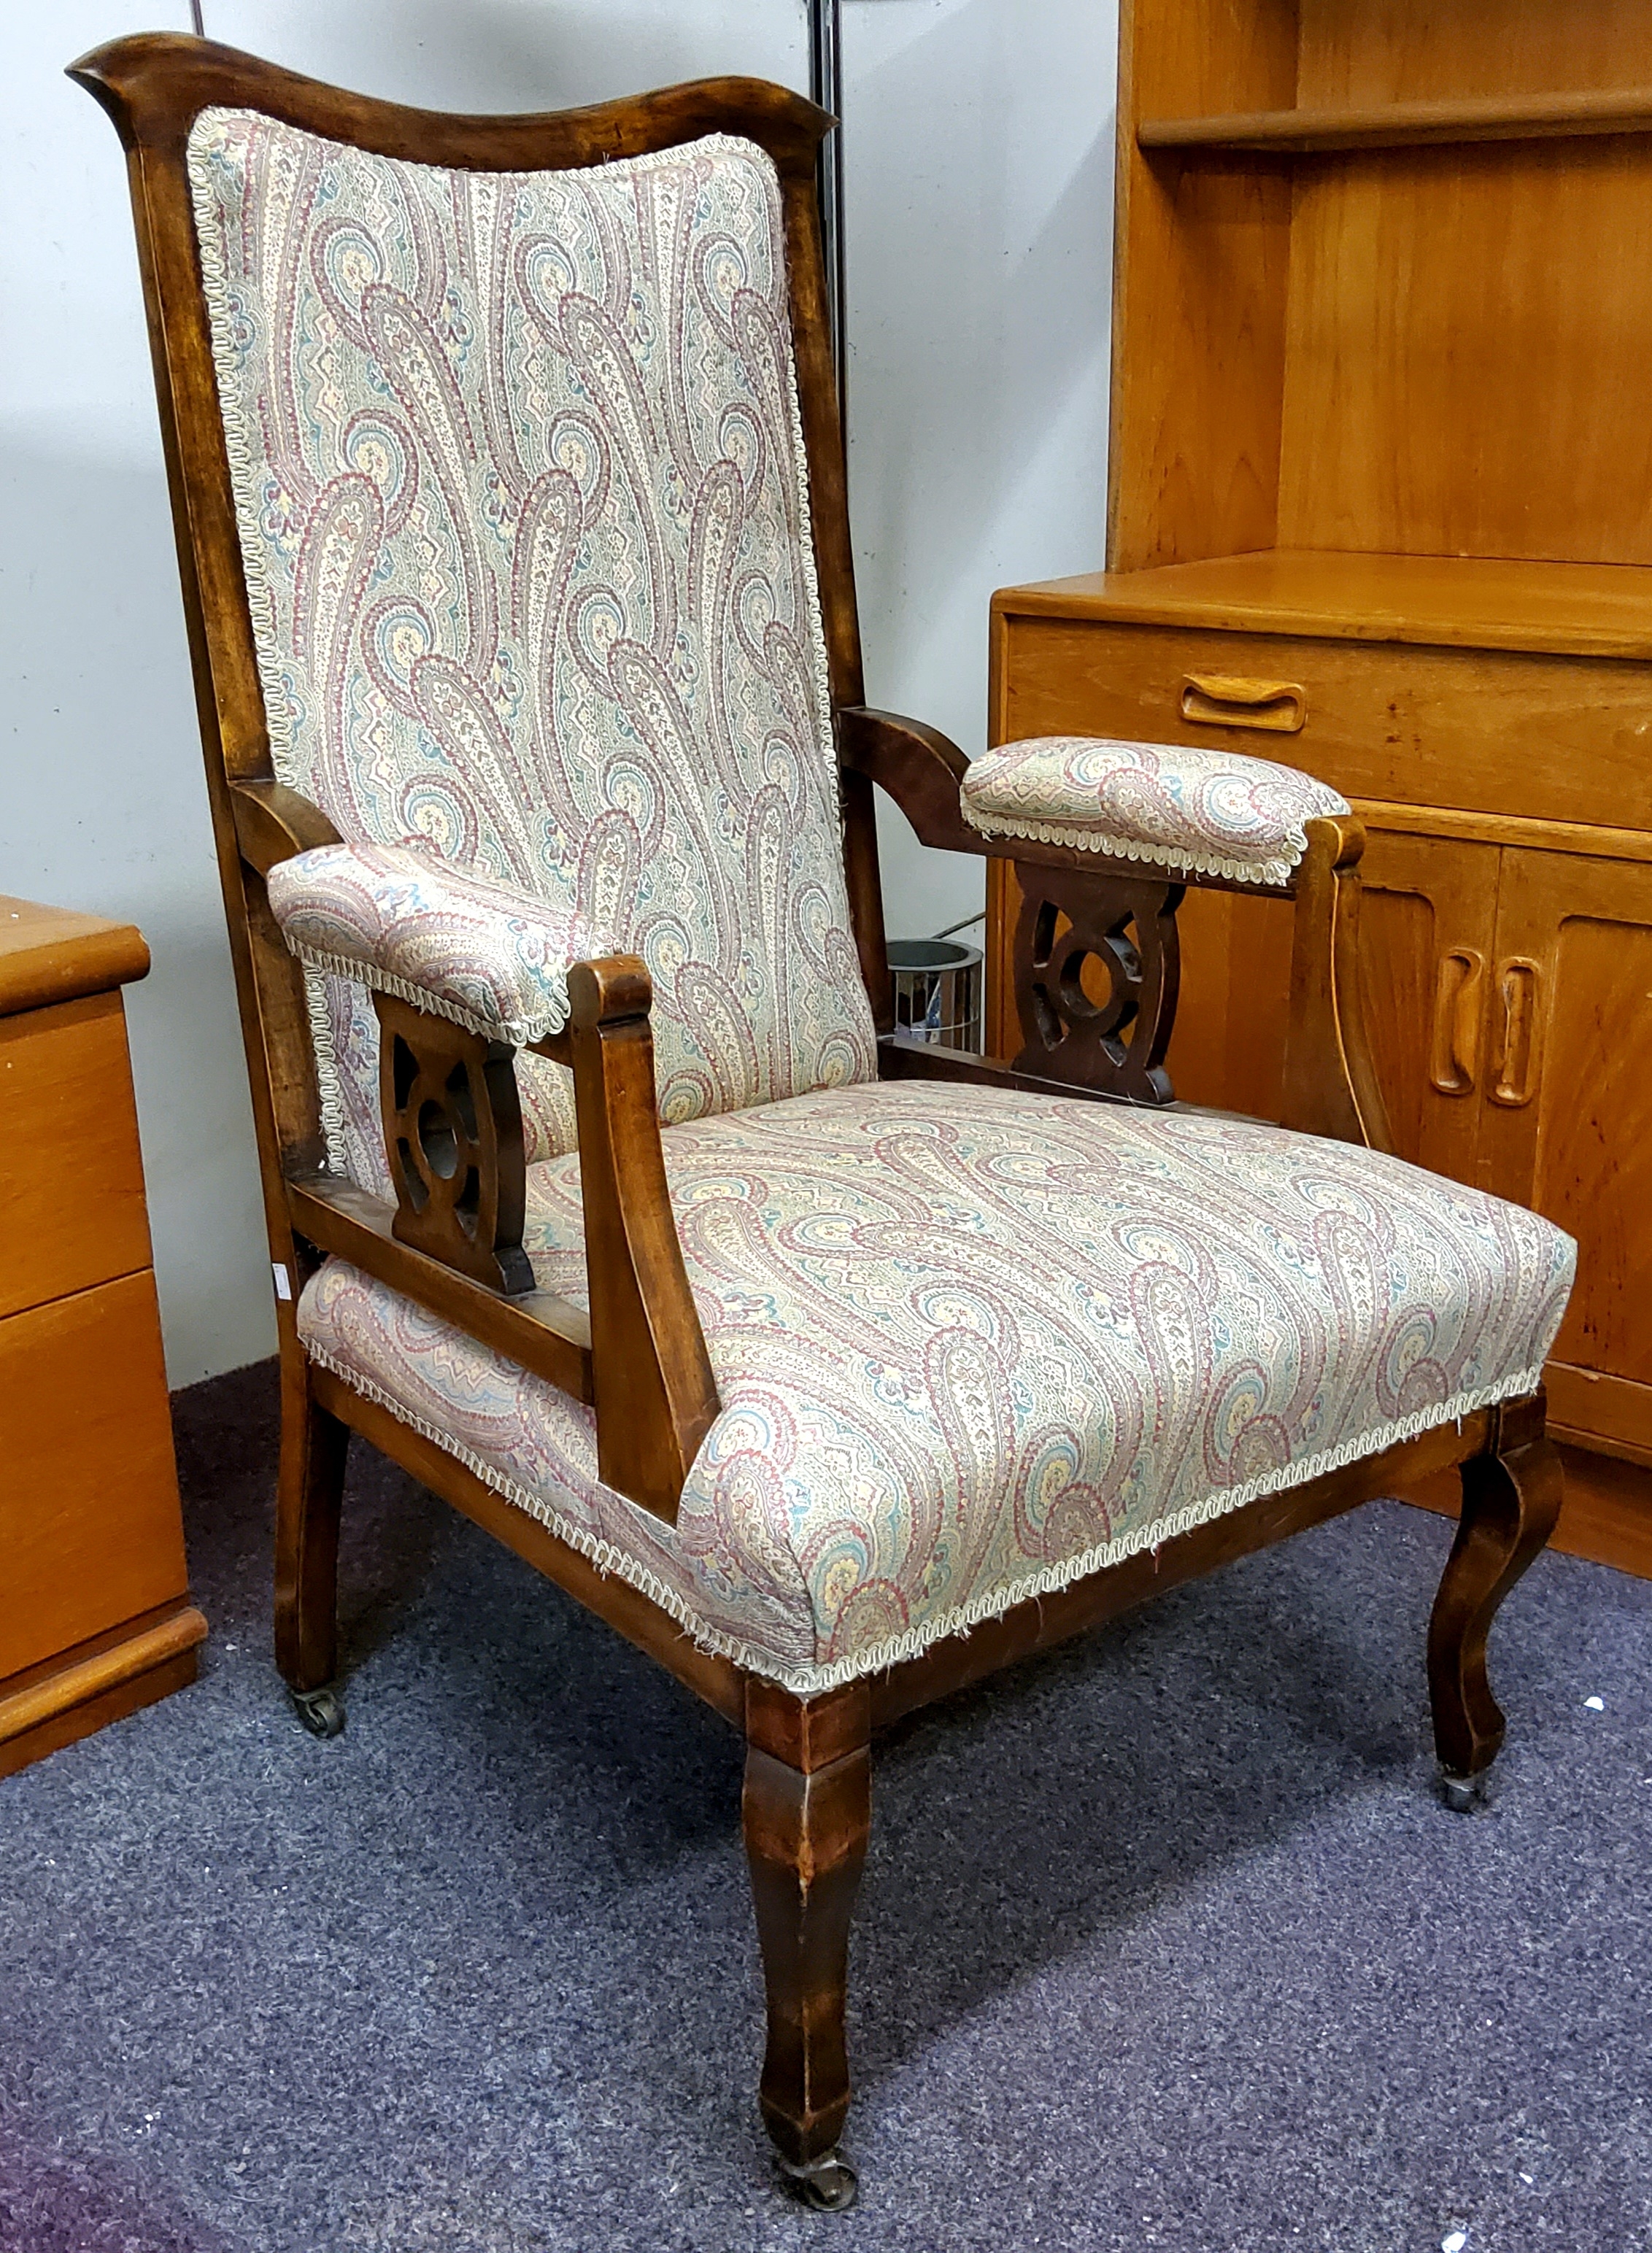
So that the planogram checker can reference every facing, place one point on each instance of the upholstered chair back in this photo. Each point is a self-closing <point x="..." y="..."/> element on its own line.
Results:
<point x="524" y="511"/>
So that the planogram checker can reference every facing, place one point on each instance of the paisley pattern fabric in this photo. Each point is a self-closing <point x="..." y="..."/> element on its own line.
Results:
<point x="972" y="1345"/>
<point x="401" y="919"/>
<point x="1173" y="806"/>
<point x="522" y="497"/>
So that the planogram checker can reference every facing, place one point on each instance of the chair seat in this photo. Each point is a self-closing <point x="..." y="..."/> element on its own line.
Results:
<point x="972" y="1345"/>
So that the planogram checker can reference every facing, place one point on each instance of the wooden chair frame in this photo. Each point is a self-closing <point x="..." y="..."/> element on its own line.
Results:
<point x="639" y="1356"/>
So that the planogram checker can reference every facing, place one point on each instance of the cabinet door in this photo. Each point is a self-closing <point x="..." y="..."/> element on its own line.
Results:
<point x="1427" y="922"/>
<point x="1426" y="926"/>
<point x="1567" y="1120"/>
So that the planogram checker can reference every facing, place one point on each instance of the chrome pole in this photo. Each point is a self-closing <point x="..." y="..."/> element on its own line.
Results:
<point x="825" y="86"/>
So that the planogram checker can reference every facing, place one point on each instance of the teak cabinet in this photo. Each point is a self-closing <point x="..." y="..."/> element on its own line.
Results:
<point x="1380" y="505"/>
<point x="95" y="1613"/>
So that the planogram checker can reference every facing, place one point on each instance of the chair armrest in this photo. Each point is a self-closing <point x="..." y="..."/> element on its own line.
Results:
<point x="1181" y="806"/>
<point x="273" y="823"/>
<point x="920" y="768"/>
<point x="397" y="919"/>
<point x="507" y="968"/>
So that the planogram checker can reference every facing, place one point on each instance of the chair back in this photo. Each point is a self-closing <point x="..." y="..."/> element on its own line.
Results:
<point x="522" y="508"/>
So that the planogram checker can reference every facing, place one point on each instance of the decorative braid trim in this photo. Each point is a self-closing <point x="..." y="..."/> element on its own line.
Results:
<point x="602" y="1554"/>
<point x="1276" y="874"/>
<point x="329" y="1086"/>
<point x="810" y="1681"/>
<point x="520" y="1033"/>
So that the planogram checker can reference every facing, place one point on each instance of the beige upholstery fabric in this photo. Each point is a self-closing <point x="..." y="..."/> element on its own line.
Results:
<point x="525" y="516"/>
<point x="1172" y="806"/>
<point x="971" y="1345"/>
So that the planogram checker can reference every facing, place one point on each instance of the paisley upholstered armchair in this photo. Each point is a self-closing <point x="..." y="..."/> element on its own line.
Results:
<point x="833" y="1369"/>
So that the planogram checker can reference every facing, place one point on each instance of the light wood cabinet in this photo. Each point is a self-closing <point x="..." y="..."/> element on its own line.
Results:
<point x="1382" y="374"/>
<point x="95" y="1613"/>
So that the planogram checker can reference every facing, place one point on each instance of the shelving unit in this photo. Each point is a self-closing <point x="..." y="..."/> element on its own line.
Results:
<point x="1406" y="124"/>
<point x="1383" y="432"/>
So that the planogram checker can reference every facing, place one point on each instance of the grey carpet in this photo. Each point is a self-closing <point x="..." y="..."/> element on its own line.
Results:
<point x="1163" y="1943"/>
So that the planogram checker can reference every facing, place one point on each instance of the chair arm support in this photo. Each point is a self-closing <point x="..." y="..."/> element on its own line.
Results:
<point x="639" y="1356"/>
<point x="275" y="824"/>
<point x="656" y="1395"/>
<point x="1330" y="1081"/>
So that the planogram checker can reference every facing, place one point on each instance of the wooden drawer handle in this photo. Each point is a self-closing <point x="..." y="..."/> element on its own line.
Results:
<point x="1516" y="1078"/>
<point x="1217" y="701"/>
<point x="1454" y="1059"/>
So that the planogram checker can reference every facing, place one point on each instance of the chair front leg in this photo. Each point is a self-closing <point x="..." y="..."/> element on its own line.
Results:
<point x="1512" y="1499"/>
<point x="807" y="1813"/>
<point x="313" y="1448"/>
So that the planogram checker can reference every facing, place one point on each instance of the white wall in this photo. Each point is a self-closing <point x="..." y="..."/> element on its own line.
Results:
<point x="978" y="160"/>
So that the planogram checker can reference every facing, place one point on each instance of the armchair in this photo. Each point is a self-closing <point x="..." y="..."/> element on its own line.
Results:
<point x="832" y="1369"/>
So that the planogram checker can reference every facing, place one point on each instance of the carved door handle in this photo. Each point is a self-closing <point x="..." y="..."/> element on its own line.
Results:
<point x="1518" y="1066"/>
<point x="1218" y="700"/>
<point x="1454" y="1057"/>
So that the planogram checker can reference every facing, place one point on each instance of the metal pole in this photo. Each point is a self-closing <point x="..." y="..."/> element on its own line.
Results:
<point x="825" y="86"/>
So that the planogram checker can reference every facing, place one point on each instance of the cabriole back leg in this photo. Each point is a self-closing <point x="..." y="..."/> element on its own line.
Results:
<point x="1512" y="1499"/>
<point x="313" y="1446"/>
<point x="807" y="1817"/>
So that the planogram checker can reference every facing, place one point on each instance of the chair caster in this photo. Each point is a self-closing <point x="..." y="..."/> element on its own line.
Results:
<point x="1462" y="1794"/>
<point x="830" y="2185"/>
<point x="321" y="1711"/>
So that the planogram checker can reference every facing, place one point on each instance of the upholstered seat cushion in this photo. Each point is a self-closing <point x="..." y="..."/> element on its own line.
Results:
<point x="970" y="1344"/>
<point x="401" y="920"/>
<point x="1172" y="805"/>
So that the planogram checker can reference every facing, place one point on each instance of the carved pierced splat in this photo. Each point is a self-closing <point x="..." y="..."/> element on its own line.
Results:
<point x="1070" y="920"/>
<point x="453" y="1134"/>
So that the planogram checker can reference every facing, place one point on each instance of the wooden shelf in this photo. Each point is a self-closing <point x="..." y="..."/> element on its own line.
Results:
<point x="1407" y="124"/>
<point x="1594" y="609"/>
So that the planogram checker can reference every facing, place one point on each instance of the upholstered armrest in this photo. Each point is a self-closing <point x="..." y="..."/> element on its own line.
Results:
<point x="397" y="919"/>
<point x="1215" y="814"/>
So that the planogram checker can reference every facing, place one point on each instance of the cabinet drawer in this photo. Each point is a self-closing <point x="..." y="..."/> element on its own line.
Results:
<point x="89" y="1528"/>
<point x="71" y="1180"/>
<point x="1554" y="738"/>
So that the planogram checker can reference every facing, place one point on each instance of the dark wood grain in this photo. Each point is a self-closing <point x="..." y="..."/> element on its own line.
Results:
<point x="1330" y="1082"/>
<point x="314" y="1446"/>
<point x="549" y="1335"/>
<point x="1114" y="1045"/>
<point x="1512" y="1494"/>
<point x="273" y="824"/>
<point x="656" y="1396"/>
<point x="453" y="1134"/>
<point x="805" y="1844"/>
<point x="921" y="769"/>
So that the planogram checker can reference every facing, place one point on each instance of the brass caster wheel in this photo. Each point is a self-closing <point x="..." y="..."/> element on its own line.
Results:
<point x="1462" y="1794"/>
<point x="830" y="2185"/>
<point x="321" y="1711"/>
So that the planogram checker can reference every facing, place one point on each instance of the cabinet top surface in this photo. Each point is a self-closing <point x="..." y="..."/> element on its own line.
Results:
<point x="56" y="954"/>
<point x="1595" y="610"/>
